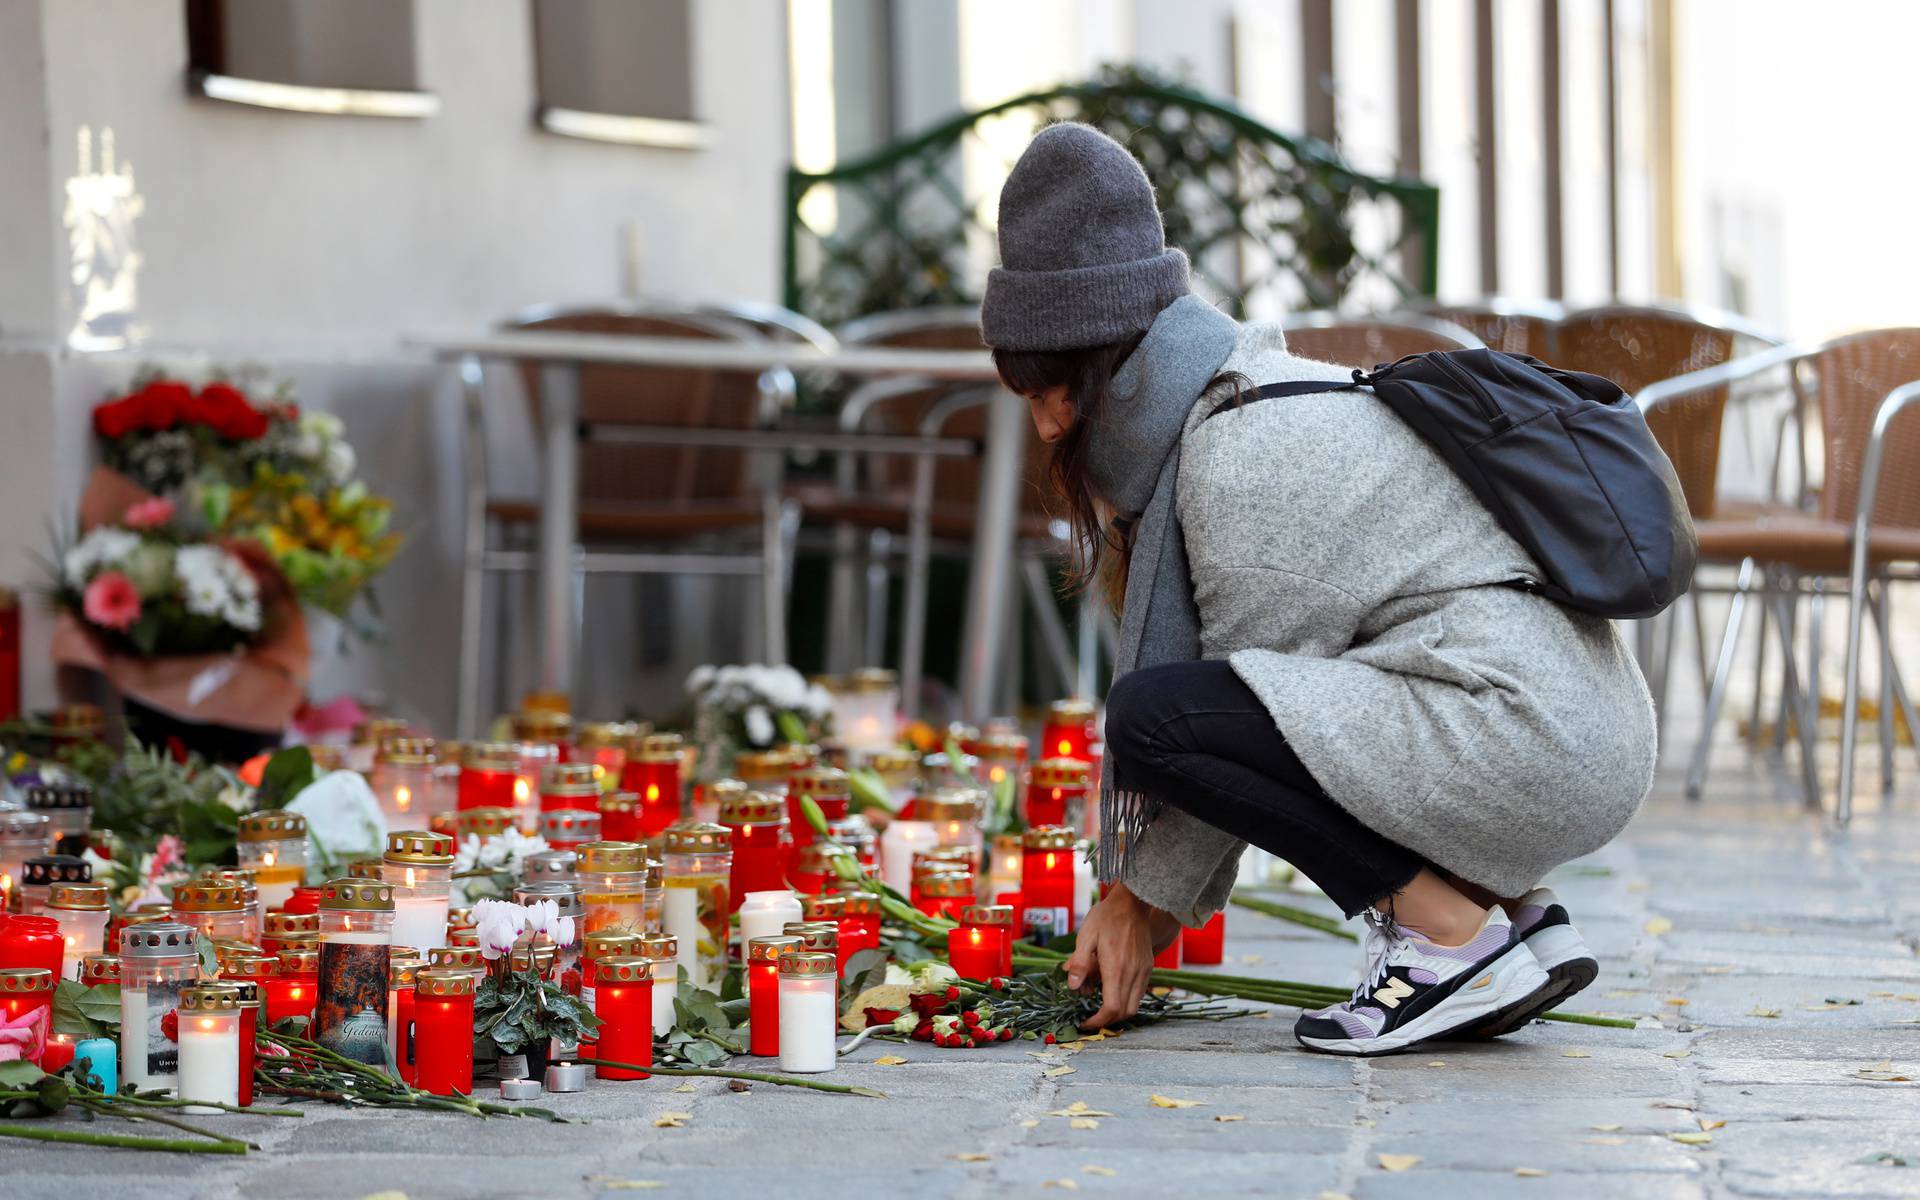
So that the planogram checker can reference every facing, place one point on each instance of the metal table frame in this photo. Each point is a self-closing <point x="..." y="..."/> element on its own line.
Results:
<point x="559" y="357"/>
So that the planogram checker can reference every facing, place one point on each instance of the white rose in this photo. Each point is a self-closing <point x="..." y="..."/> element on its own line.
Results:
<point x="343" y="816"/>
<point x="340" y="462"/>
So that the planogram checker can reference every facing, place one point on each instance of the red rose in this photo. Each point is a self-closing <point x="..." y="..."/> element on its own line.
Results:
<point x="116" y="419"/>
<point x="163" y="403"/>
<point x="170" y="1025"/>
<point x="882" y="1016"/>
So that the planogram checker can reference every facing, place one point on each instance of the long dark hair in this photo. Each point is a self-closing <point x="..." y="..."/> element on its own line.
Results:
<point x="1106" y="546"/>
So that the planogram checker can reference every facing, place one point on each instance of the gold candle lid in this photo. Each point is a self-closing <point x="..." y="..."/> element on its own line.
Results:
<point x="490" y="756"/>
<point x="825" y="908"/>
<point x="774" y="947"/>
<point x="408" y="752"/>
<point x="79" y="897"/>
<point x="541" y="725"/>
<point x="658" y="947"/>
<point x="816" y="858"/>
<point x="608" y="943"/>
<point x="744" y="807"/>
<point x="283" y="925"/>
<point x="821" y="783"/>
<point x="420" y="848"/>
<point x="209" y="997"/>
<point x="872" y="679"/>
<point x="1049" y="837"/>
<point x="204" y="896"/>
<point x="78" y="718"/>
<point x="459" y="918"/>
<point x="252" y="961"/>
<point x="569" y="779"/>
<point x="366" y="868"/>
<point x="698" y="837"/>
<point x="376" y="730"/>
<point x="624" y="968"/>
<point x="271" y="825"/>
<point x="226" y="948"/>
<point x="661" y="748"/>
<point x="987" y="914"/>
<point x="809" y="963"/>
<point x="946" y="885"/>
<point x="484" y="822"/>
<point x="465" y="936"/>
<point x="595" y="735"/>
<point x="620" y="802"/>
<point x="611" y="857"/>
<point x="1074" y="709"/>
<point x="942" y="858"/>
<point x="814" y="935"/>
<point x="404" y="972"/>
<point x="1004" y="744"/>
<point x="860" y="904"/>
<point x="951" y="804"/>
<point x="299" y="961"/>
<point x="26" y="979"/>
<point x="241" y="875"/>
<point x="356" y="895"/>
<point x="1062" y="773"/>
<point x="762" y="766"/>
<point x="100" y="968"/>
<point x="893" y="762"/>
<point x="465" y="958"/>
<point x="433" y="981"/>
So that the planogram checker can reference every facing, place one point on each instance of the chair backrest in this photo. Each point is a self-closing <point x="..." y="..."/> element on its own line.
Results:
<point x="621" y="395"/>
<point x="1639" y="345"/>
<point x="1369" y="341"/>
<point x="1513" y="327"/>
<point x="773" y="322"/>
<point x="1853" y="374"/>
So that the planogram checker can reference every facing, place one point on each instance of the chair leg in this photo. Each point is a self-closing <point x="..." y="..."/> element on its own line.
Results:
<point x="773" y="574"/>
<point x="1700" y="643"/>
<point x="843" y="618"/>
<point x="1850" y="714"/>
<point x="1794" y="697"/>
<point x="1087" y="635"/>
<point x="1718" y="681"/>
<point x="1046" y="618"/>
<point x="1787" y="617"/>
<point x="1759" y="673"/>
<point x="1881" y="624"/>
<point x="874" y="639"/>
<point x="1884" y="623"/>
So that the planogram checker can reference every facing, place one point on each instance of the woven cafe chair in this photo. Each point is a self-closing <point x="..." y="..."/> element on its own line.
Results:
<point x="642" y="509"/>
<point x="1510" y="326"/>
<point x="1368" y="342"/>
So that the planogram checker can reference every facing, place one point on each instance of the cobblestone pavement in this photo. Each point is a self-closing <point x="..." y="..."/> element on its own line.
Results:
<point x="1771" y="960"/>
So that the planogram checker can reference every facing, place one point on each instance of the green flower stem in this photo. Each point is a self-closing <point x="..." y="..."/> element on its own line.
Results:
<point x="106" y="1109"/>
<point x="751" y="1076"/>
<point x="1298" y="916"/>
<point x="144" y="1102"/>
<point x="79" y="1137"/>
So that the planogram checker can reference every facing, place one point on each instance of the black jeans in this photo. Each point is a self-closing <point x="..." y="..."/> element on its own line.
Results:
<point x="1192" y="735"/>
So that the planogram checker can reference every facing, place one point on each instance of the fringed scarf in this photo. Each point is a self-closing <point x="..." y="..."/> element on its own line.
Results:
<point x="1134" y="461"/>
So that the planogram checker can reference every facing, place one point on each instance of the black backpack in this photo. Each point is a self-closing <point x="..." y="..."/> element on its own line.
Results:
<point x="1563" y="460"/>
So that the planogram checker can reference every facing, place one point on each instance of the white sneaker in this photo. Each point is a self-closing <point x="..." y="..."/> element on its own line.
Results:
<point x="1416" y="991"/>
<point x="1542" y="923"/>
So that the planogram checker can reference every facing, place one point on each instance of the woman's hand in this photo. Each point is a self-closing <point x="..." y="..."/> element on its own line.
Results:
<point x="1115" y="948"/>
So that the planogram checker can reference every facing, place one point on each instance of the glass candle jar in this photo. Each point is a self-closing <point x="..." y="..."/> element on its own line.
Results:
<point x="458" y="958"/>
<point x="544" y="727"/>
<point x="899" y="770"/>
<point x="68" y="808"/>
<point x="32" y="942"/>
<point x="1003" y="756"/>
<point x="831" y="909"/>
<point x="23" y="835"/>
<point x="443" y="1032"/>
<point x="209" y="1028"/>
<point x="941" y="769"/>
<point x="901" y="841"/>
<point x="366" y="868"/>
<point x="551" y="866"/>
<point x="488" y="773"/>
<point x="279" y="928"/>
<point x="593" y="948"/>
<point x="80" y="910"/>
<point x="946" y="893"/>
<point x="569" y="828"/>
<point x="569" y="785"/>
<point x="698" y="860"/>
<point x="623" y="1000"/>
<point x="1083" y="880"/>
<point x="664" y="953"/>
<point x="763" y="991"/>
<point x="45" y="870"/>
<point x="821" y="936"/>
<point x="304" y="900"/>
<point x="809" y="1009"/>
<point x="356" y="932"/>
<point x="955" y="814"/>
<point x="613" y="881"/>
<point x="405" y="780"/>
<point x="1046" y="881"/>
<point x="419" y="865"/>
<point x="973" y="951"/>
<point x="620" y="817"/>
<point x="860" y="915"/>
<point x="249" y="896"/>
<point x="363" y="748"/>
<point x="96" y="969"/>
<point x="252" y="1000"/>
<point x="214" y="908"/>
<point x="484" y="823"/>
<point x="403" y="973"/>
<point x="858" y="835"/>
<point x="295" y="991"/>
<point x="1003" y="871"/>
<point x="941" y="860"/>
<point x="654" y="774"/>
<point x="157" y="959"/>
<point x="1068" y="732"/>
<point x="602" y="745"/>
<point x="1057" y="792"/>
<point x="26" y="999"/>
<point x="273" y="845"/>
<point x="763" y="771"/>
<point x="866" y="707"/>
<point x="829" y="790"/>
<point x="998" y="921"/>
<point x="761" y="842"/>
<point x="813" y="867"/>
<point x="1206" y="945"/>
<point x="766" y="913"/>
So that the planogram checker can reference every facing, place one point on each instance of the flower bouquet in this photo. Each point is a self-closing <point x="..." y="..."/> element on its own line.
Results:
<point x="751" y="707"/>
<point x="517" y="1008"/>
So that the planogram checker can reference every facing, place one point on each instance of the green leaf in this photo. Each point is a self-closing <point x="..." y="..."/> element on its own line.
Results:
<point x="209" y="960"/>
<point x="20" y="1073"/>
<point x="287" y="773"/>
<point x="864" y="970"/>
<point x="705" y="1054"/>
<point x="70" y="1015"/>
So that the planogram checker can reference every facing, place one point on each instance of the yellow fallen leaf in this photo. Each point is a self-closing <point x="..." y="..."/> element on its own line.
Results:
<point x="1683" y="1105"/>
<point x="1530" y="1172"/>
<point x="1691" y="1139"/>
<point x="1726" y="970"/>
<point x="1065" y="1185"/>
<point x="672" y="1120"/>
<point x="1398" y="1162"/>
<point x="1676" y="1054"/>
<point x="1250" y="959"/>
<point x="1029" y="1123"/>
<point x="1605" y="1141"/>
<point x="1159" y="1101"/>
<point x="1676" y="1001"/>
<point x="1090" y="1169"/>
<point x="1262" y="1015"/>
<point x="1437" y="1063"/>
<point x="971" y="1156"/>
<point x="888" y="1060"/>
<point x="1769" y="1013"/>
<point x="1879" y="995"/>
<point x="1057" y="1072"/>
<point x="1657" y="926"/>
<point x="632" y="1185"/>
<point x="1908" y="996"/>
<point x="1045" y="1056"/>
<point x="1078" y="1109"/>
<point x="1708" y="1123"/>
<point x="384" y="1196"/>
<point x="1828" y="1007"/>
<point x="1083" y="1123"/>
<point x="1334" y="1196"/>
<point x="1575" y="1054"/>
<point x="1606" y="1128"/>
<point x="1228" y="1117"/>
<point x="685" y="1087"/>
<point x="1879" y="1066"/>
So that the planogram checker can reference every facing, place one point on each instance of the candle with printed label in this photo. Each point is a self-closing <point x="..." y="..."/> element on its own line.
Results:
<point x="1046" y="880"/>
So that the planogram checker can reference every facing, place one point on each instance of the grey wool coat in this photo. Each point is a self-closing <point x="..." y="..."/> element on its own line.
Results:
<point x="1354" y="582"/>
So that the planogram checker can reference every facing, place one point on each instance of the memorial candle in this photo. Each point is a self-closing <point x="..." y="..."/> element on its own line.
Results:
<point x="901" y="841"/>
<point x="99" y="1060"/>
<point x="812" y="867"/>
<point x="565" y="896"/>
<point x="571" y="785"/>
<point x="620" y="817"/>
<point x="829" y="790"/>
<point x="623" y="1000"/>
<point x="33" y="941"/>
<point x="809" y="1011"/>
<point x="1205" y="945"/>
<point x="946" y="893"/>
<point x="569" y="828"/>
<point x="96" y="969"/>
<point x="23" y="835"/>
<point x="859" y="921"/>
<point x="273" y="845"/>
<point x="548" y="866"/>
<point x="80" y="910"/>
<point x="488" y="775"/>
<point x="1003" y="756"/>
<point x="215" y="909"/>
<point x="664" y="953"/>
<point x="280" y="928"/>
<point x="252" y="1008"/>
<point x="821" y="936"/>
<point x="419" y="866"/>
<point x="1046" y="880"/>
<point x="209" y="1027"/>
<point x="367" y="739"/>
<point x="761" y="843"/>
<point x="403" y="974"/>
<point x="697" y="862"/>
<point x="1057" y="792"/>
<point x="899" y="770"/>
<point x="997" y="921"/>
<point x="1068" y="732"/>
<point x="443" y="1032"/>
<point x="973" y="951"/>
<point x="763" y="992"/>
<point x="765" y="914"/>
<point x="593" y="948"/>
<point x="68" y="808"/>
<point x="250" y="909"/>
<point x="603" y="745"/>
<point x="356" y="923"/>
<point x="42" y="871"/>
<point x="26" y="1000"/>
<point x="654" y="773"/>
<point x="296" y="989"/>
<point x="866" y="706"/>
<point x="157" y="959"/>
<point x="832" y="909"/>
<point x="613" y="881"/>
<point x="955" y="814"/>
<point x="405" y="780"/>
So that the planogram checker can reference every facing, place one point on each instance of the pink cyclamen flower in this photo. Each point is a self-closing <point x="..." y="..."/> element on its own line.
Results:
<point x="150" y="513"/>
<point x="111" y="601"/>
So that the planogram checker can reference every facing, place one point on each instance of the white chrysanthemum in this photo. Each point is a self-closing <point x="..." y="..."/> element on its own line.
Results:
<point x="324" y="426"/>
<point x="103" y="547"/>
<point x="759" y="726"/>
<point x="339" y="461"/>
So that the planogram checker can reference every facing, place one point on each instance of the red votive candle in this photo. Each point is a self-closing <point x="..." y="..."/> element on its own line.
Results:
<point x="1068" y="732"/>
<point x="32" y="941"/>
<point x="763" y="992"/>
<point x="252" y="1006"/>
<point x="488" y="772"/>
<point x="284" y="928"/>
<point x="623" y="1000"/>
<point x="1057" y="792"/>
<point x="1206" y="944"/>
<point x="570" y="785"/>
<point x="620" y="817"/>
<point x="654" y="773"/>
<point x="946" y="894"/>
<point x="23" y="992"/>
<point x="973" y="951"/>
<point x="403" y="983"/>
<point x="827" y="787"/>
<point x="304" y="900"/>
<point x="860" y="921"/>
<point x="761" y="843"/>
<point x="1168" y="959"/>
<point x="59" y="1053"/>
<point x="938" y="861"/>
<point x="443" y="1031"/>
<point x="1046" y="880"/>
<point x="294" y="991"/>
<point x="997" y="920"/>
<point x="832" y="907"/>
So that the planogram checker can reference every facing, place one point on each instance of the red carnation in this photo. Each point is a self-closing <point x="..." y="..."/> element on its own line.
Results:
<point x="953" y="993"/>
<point x="170" y="1025"/>
<point x="882" y="1016"/>
<point x="1050" y="1039"/>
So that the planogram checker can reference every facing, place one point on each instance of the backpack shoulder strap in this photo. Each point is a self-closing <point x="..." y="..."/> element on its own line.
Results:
<point x="1294" y="387"/>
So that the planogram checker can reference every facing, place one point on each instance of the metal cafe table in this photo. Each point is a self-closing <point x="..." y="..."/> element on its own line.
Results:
<point x="559" y="357"/>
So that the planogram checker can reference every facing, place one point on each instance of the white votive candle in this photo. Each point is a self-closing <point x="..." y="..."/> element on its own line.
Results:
<point x="680" y="920"/>
<point x="664" y="953"/>
<point x="808" y="1010"/>
<point x="209" y="1023"/>
<point x="898" y="845"/>
<point x="765" y="914"/>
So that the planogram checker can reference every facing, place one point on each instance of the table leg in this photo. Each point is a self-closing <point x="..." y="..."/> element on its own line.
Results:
<point x="559" y="521"/>
<point x="990" y="588"/>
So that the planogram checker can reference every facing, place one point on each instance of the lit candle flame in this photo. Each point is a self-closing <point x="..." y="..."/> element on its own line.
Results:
<point x="521" y="791"/>
<point x="1066" y="748"/>
<point x="653" y="793"/>
<point x="599" y="772"/>
<point x="409" y="877"/>
<point x="208" y="1024"/>
<point x="268" y="859"/>
<point x="402" y="797"/>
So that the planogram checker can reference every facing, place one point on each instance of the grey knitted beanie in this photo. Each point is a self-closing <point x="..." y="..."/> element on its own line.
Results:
<point x="1084" y="258"/>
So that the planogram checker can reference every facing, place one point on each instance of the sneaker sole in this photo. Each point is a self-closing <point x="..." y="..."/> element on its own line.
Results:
<point x="1570" y="966"/>
<point x="1514" y="979"/>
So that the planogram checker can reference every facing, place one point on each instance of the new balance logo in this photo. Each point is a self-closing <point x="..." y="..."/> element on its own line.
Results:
<point x="1395" y="991"/>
